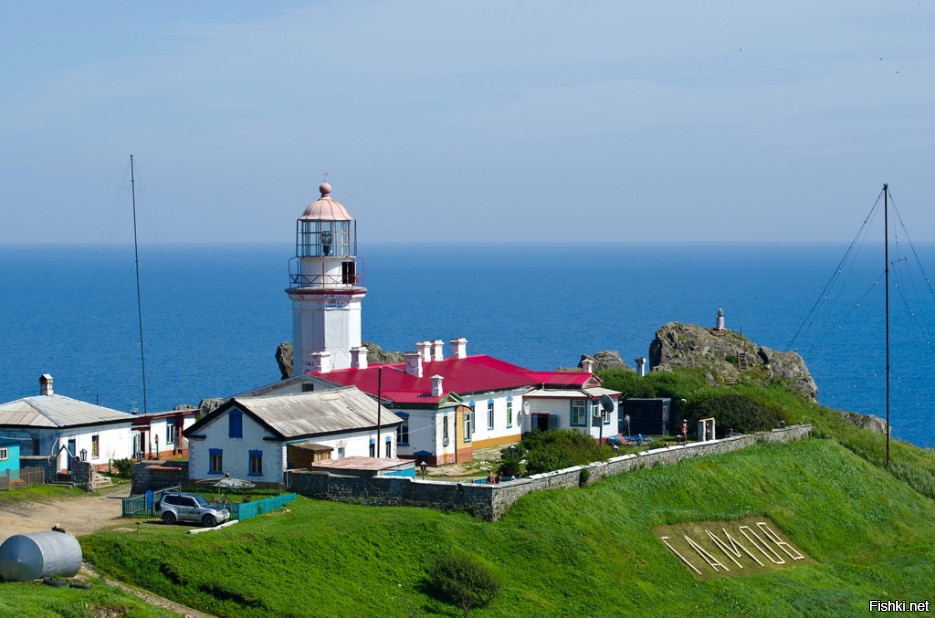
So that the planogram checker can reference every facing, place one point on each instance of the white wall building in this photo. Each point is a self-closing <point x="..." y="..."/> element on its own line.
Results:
<point x="257" y="438"/>
<point x="55" y="425"/>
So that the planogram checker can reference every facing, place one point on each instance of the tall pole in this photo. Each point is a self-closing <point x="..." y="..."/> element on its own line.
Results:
<point x="139" y="300"/>
<point x="379" y="405"/>
<point x="886" y="252"/>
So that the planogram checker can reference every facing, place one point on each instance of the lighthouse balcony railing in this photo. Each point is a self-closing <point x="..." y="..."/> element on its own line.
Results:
<point x="300" y="280"/>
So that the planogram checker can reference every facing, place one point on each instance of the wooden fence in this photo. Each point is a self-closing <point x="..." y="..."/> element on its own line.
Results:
<point x="11" y="479"/>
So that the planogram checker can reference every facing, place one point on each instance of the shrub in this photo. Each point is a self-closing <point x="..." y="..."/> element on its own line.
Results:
<point x="464" y="582"/>
<point x="123" y="467"/>
<point x="511" y="460"/>
<point x="739" y="411"/>
<point x="562" y="448"/>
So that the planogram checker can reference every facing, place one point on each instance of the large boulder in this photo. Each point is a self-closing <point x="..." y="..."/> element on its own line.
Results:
<point x="284" y="359"/>
<point x="605" y="359"/>
<point x="727" y="357"/>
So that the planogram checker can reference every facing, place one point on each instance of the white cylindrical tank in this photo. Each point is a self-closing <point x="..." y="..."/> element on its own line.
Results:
<point x="25" y="557"/>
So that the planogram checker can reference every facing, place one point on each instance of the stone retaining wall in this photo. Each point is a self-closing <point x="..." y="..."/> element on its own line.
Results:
<point x="492" y="501"/>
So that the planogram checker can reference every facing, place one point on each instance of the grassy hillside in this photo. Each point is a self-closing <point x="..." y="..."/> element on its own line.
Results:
<point x="586" y="552"/>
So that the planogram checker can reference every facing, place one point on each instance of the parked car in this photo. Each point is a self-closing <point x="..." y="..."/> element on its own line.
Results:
<point x="174" y="506"/>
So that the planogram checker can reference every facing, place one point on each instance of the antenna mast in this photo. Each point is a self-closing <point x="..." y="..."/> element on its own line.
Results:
<point x="886" y="252"/>
<point x="139" y="301"/>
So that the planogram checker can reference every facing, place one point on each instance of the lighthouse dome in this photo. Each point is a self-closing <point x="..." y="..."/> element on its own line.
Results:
<point x="326" y="208"/>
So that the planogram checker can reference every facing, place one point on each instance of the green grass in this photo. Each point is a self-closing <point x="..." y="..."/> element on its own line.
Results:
<point x="36" y="600"/>
<point x="587" y="552"/>
<point x="39" y="493"/>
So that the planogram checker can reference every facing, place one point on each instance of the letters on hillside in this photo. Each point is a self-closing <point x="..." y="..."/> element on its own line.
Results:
<point x="731" y="548"/>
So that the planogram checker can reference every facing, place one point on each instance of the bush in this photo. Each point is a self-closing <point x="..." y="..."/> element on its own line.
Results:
<point x="464" y="582"/>
<point x="123" y="467"/>
<point x="738" y="411"/>
<point x="511" y="460"/>
<point x="562" y="448"/>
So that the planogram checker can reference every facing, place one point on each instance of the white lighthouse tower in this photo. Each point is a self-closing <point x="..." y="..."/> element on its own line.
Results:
<point x="325" y="288"/>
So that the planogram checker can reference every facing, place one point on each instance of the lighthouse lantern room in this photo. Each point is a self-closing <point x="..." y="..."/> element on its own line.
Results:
<point x="325" y="287"/>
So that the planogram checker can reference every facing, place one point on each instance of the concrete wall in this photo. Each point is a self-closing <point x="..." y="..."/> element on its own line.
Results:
<point x="492" y="501"/>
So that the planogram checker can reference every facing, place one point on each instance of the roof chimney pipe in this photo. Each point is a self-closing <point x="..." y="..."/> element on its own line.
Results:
<point x="437" y="389"/>
<point x="438" y="350"/>
<point x="45" y="385"/>
<point x="414" y="364"/>
<point x="459" y="348"/>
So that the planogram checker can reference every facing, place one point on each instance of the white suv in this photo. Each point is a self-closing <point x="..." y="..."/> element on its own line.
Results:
<point x="173" y="507"/>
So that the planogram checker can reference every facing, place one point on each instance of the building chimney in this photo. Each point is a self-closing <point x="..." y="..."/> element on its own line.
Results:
<point x="414" y="364"/>
<point x="424" y="348"/>
<point x="45" y="385"/>
<point x="437" y="386"/>
<point x="319" y="362"/>
<point x="459" y="348"/>
<point x="438" y="352"/>
<point x="359" y="357"/>
<point x="587" y="365"/>
<point x="641" y="367"/>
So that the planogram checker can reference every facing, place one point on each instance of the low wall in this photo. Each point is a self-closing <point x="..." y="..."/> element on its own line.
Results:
<point x="158" y="475"/>
<point x="492" y="501"/>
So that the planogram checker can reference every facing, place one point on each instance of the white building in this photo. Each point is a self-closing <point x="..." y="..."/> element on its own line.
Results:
<point x="59" y="426"/>
<point x="159" y="435"/>
<point x="257" y="438"/>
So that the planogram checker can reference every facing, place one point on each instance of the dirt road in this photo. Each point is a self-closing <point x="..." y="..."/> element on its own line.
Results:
<point x="78" y="515"/>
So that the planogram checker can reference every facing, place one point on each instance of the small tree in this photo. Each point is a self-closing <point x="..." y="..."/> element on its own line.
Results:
<point x="464" y="582"/>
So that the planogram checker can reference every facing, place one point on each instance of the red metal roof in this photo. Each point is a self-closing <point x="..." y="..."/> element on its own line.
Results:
<point x="464" y="376"/>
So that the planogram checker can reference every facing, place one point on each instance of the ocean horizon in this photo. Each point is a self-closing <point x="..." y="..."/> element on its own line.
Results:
<point x="214" y="314"/>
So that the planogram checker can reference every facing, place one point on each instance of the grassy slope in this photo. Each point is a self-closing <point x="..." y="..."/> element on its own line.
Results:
<point x="36" y="600"/>
<point x="565" y="552"/>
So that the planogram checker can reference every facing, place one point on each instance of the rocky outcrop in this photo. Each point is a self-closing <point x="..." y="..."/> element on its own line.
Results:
<point x="864" y="421"/>
<point x="727" y="357"/>
<point x="376" y="354"/>
<point x="605" y="359"/>
<point x="209" y="405"/>
<point x="284" y="358"/>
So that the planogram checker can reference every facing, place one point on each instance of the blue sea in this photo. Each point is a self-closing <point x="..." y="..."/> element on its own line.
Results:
<point x="213" y="315"/>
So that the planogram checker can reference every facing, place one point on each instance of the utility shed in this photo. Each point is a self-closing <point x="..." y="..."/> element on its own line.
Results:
<point x="651" y="416"/>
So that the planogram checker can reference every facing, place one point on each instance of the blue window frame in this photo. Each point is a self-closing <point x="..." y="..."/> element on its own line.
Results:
<point x="256" y="463"/>
<point x="402" y="432"/>
<point x="235" y="424"/>
<point x="215" y="461"/>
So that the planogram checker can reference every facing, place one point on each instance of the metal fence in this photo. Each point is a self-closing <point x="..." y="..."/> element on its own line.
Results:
<point x="246" y="510"/>
<point x="17" y="478"/>
<point x="144" y="506"/>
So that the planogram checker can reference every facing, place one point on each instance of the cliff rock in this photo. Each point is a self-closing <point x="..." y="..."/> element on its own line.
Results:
<point x="284" y="358"/>
<point x="605" y="359"/>
<point x="727" y="357"/>
<point x="375" y="355"/>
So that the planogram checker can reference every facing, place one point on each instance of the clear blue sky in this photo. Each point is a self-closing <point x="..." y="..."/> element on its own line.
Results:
<point x="482" y="120"/>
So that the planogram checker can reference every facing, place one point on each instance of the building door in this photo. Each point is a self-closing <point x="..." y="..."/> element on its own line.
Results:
<point x="540" y="422"/>
<point x="72" y="445"/>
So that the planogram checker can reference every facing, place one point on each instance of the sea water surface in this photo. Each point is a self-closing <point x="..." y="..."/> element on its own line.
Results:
<point x="213" y="315"/>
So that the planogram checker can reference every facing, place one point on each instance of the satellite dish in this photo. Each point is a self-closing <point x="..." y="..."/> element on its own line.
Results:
<point x="607" y="404"/>
<point x="526" y="407"/>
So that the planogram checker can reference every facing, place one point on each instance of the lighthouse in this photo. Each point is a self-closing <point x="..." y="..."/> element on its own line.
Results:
<point x="325" y="289"/>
